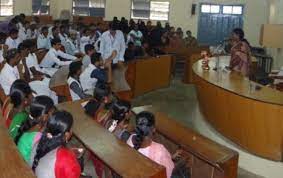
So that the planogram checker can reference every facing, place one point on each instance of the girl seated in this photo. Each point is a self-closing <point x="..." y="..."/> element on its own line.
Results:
<point x="75" y="87"/>
<point x="50" y="157"/>
<point x="142" y="141"/>
<point x="29" y="133"/>
<point x="20" y="97"/>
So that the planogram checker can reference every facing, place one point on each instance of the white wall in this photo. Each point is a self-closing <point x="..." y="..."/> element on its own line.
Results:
<point x="256" y="12"/>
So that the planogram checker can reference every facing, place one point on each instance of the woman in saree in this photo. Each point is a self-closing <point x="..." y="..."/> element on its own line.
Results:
<point x="240" y="53"/>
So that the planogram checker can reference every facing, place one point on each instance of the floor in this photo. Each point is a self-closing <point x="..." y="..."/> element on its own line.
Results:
<point x="178" y="101"/>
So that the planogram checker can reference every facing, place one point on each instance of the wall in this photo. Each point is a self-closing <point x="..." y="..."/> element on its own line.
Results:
<point x="255" y="13"/>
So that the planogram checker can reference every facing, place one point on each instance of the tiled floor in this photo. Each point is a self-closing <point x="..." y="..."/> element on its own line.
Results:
<point x="178" y="101"/>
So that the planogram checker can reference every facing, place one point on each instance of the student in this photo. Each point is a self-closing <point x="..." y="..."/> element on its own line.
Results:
<point x="13" y="40"/>
<point x="89" y="51"/>
<point x="131" y="52"/>
<point x="72" y="44"/>
<point x="142" y="141"/>
<point x="3" y="48"/>
<point x="41" y="108"/>
<point x="51" y="58"/>
<point x="63" y="34"/>
<point x="113" y="40"/>
<point x="75" y="87"/>
<point x="50" y="157"/>
<point x="20" y="97"/>
<point x="23" y="31"/>
<point x="85" y="39"/>
<point x="32" y="32"/>
<point x="43" y="41"/>
<point x="135" y="36"/>
<point x="32" y="63"/>
<point x="190" y="41"/>
<point x="10" y="71"/>
<point x="119" y="120"/>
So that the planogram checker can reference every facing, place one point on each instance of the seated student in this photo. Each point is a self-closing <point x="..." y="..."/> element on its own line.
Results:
<point x="142" y="141"/>
<point x="10" y="72"/>
<point x="41" y="108"/>
<point x="13" y="40"/>
<point x="43" y="41"/>
<point x="51" y="58"/>
<point x="32" y="63"/>
<point x="119" y="120"/>
<point x="75" y="87"/>
<point x="3" y="48"/>
<point x="131" y="52"/>
<point x="72" y="45"/>
<point x="23" y="31"/>
<point x="190" y="41"/>
<point x="50" y="157"/>
<point x="89" y="51"/>
<point x="32" y="32"/>
<point x="63" y="34"/>
<point x="20" y="97"/>
<point x="85" y="39"/>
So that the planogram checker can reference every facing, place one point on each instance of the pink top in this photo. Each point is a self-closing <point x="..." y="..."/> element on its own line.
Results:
<point x="157" y="153"/>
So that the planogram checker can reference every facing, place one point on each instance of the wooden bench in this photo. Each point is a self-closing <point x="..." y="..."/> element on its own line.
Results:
<point x="205" y="158"/>
<point x="12" y="165"/>
<point x="114" y="153"/>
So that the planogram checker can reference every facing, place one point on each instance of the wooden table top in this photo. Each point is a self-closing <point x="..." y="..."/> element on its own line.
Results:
<point x="124" y="160"/>
<point x="237" y="83"/>
<point x="12" y="164"/>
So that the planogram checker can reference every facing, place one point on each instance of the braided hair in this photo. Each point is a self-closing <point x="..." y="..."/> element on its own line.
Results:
<point x="18" y="92"/>
<point x="54" y="135"/>
<point x="145" y="122"/>
<point x="39" y="106"/>
<point x="119" y="110"/>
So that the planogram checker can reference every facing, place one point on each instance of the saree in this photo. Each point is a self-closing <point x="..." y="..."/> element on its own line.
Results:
<point x="240" y="58"/>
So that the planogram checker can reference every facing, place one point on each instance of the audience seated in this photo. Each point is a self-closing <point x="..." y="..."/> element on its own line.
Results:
<point x="43" y="41"/>
<point x="13" y="39"/>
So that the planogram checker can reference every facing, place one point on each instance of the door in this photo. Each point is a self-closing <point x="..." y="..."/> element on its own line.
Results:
<point x="216" y="22"/>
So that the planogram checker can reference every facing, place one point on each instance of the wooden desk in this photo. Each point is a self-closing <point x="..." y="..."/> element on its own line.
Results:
<point x="118" y="156"/>
<point x="138" y="77"/>
<point x="12" y="164"/>
<point x="190" y="56"/>
<point x="251" y="119"/>
<point x="145" y="75"/>
<point x="206" y="158"/>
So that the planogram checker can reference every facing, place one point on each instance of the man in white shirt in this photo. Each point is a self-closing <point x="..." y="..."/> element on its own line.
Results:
<point x="13" y="40"/>
<point x="113" y="40"/>
<point x="32" y="32"/>
<point x="23" y="31"/>
<point x="85" y="39"/>
<point x="89" y="50"/>
<point x="135" y="36"/>
<point x="43" y="40"/>
<point x="63" y="35"/>
<point x="51" y="58"/>
<point x="72" y="46"/>
<point x="10" y="72"/>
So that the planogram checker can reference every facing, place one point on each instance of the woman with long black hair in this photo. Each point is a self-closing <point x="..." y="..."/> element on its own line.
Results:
<point x="29" y="133"/>
<point x="142" y="141"/>
<point x="50" y="158"/>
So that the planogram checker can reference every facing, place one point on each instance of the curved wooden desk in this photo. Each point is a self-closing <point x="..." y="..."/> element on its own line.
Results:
<point x="250" y="118"/>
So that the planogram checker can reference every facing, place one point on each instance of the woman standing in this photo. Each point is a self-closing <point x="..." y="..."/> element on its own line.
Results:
<point x="240" y="53"/>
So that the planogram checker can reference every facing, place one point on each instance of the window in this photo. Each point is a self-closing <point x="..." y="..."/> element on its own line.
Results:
<point x="6" y="7"/>
<point x="236" y="10"/>
<point x="89" y="8"/>
<point x="153" y="10"/>
<point x="40" y="7"/>
<point x="214" y="9"/>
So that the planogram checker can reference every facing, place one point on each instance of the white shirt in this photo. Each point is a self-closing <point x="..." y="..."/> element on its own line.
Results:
<point x="96" y="45"/>
<point x="63" y="38"/>
<point x="22" y="34"/>
<point x="137" y="34"/>
<point x="86" y="60"/>
<point x="71" y="47"/>
<point x="109" y="44"/>
<point x="51" y="58"/>
<point x="31" y="61"/>
<point x="73" y="94"/>
<point x="32" y="34"/>
<point x="83" y="42"/>
<point x="87" y="82"/>
<point x="12" y="43"/>
<point x="43" y="42"/>
<point x="8" y="75"/>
